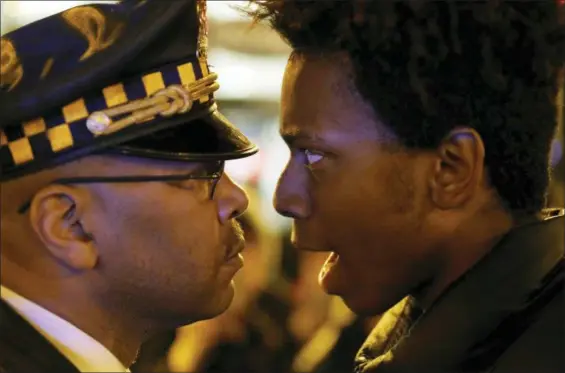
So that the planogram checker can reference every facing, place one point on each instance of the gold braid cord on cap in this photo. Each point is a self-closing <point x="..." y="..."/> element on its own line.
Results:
<point x="136" y="100"/>
<point x="172" y="100"/>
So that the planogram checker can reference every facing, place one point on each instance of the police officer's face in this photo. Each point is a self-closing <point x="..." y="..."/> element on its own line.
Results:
<point x="348" y="193"/>
<point x="165" y="247"/>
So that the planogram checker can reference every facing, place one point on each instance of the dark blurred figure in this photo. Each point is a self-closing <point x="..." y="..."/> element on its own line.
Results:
<point x="264" y="345"/>
<point x="333" y="346"/>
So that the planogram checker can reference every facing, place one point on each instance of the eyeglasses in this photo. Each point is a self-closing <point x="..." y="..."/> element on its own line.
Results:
<point x="213" y="172"/>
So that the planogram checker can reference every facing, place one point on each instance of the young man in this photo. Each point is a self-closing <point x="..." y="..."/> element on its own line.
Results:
<point x="117" y="221"/>
<point x="419" y="135"/>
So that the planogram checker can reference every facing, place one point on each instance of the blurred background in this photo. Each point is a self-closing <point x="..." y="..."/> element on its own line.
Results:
<point x="280" y="321"/>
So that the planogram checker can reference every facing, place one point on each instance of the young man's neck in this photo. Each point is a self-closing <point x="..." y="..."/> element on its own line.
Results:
<point x="463" y="249"/>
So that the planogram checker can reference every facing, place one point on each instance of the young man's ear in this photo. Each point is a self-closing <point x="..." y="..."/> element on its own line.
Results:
<point x="459" y="168"/>
<point x="55" y="215"/>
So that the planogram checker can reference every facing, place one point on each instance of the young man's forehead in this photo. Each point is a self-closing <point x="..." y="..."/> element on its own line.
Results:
<point x="333" y="139"/>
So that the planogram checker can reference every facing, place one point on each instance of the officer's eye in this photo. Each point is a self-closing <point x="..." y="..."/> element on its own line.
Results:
<point x="184" y="184"/>
<point x="312" y="157"/>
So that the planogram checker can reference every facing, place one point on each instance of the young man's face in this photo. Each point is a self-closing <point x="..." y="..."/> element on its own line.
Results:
<point x="349" y="193"/>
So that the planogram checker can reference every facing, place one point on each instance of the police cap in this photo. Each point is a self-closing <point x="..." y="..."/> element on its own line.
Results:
<point x="128" y="78"/>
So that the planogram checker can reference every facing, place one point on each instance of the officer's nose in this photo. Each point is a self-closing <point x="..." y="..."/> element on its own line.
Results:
<point x="232" y="199"/>
<point x="291" y="197"/>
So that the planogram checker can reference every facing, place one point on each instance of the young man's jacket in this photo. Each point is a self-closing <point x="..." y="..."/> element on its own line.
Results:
<point x="505" y="315"/>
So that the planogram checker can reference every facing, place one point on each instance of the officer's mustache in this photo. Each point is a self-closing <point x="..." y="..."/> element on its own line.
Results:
<point x="236" y="241"/>
<point x="237" y="230"/>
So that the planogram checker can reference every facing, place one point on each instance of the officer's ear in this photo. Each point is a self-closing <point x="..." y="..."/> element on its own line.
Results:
<point x="458" y="170"/>
<point x="55" y="215"/>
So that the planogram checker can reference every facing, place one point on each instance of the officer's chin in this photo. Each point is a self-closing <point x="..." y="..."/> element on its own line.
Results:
<point x="222" y="301"/>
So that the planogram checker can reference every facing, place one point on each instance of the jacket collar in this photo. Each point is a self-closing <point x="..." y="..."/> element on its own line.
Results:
<point x="26" y="349"/>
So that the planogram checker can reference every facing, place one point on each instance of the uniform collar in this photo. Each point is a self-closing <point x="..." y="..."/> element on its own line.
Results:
<point x="502" y="283"/>
<point x="83" y="351"/>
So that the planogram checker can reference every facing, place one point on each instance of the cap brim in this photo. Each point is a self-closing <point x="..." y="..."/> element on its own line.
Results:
<point x="210" y="137"/>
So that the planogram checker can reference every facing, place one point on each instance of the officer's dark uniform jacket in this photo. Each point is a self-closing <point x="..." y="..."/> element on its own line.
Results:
<point x="506" y="314"/>
<point x="130" y="79"/>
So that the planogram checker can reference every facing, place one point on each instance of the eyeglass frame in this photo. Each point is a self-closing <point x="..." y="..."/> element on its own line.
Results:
<point x="214" y="177"/>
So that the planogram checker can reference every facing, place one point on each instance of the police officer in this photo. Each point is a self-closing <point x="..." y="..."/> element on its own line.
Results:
<point x="117" y="218"/>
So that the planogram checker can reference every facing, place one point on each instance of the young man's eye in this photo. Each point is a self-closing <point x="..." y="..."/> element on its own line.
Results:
<point x="312" y="157"/>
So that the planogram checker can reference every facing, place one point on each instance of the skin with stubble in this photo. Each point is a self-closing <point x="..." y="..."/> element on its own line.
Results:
<point x="122" y="261"/>
<point x="395" y="221"/>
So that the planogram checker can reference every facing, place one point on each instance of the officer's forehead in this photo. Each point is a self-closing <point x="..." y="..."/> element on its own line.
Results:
<point x="114" y="162"/>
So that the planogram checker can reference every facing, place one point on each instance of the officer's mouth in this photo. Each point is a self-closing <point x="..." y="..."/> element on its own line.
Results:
<point x="234" y="252"/>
